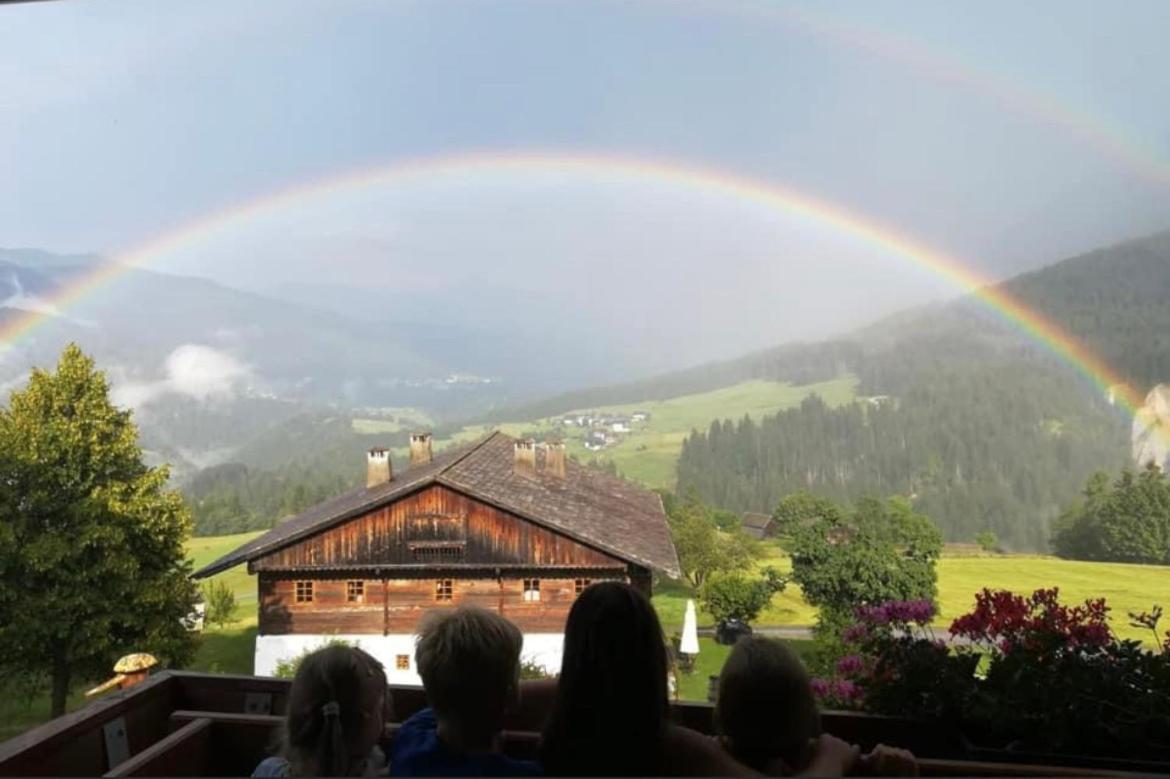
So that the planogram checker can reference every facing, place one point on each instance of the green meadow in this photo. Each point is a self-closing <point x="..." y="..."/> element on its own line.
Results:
<point x="649" y="453"/>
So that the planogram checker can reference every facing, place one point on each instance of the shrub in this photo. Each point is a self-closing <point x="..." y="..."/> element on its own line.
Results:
<point x="1054" y="677"/>
<point x="220" y="603"/>
<point x="733" y="596"/>
<point x="530" y="669"/>
<point x="287" y="668"/>
<point x="987" y="541"/>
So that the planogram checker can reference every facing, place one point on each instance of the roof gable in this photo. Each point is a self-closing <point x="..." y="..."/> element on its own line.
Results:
<point x="594" y="508"/>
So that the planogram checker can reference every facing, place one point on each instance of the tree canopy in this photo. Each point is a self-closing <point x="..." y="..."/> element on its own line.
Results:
<point x="704" y="549"/>
<point x="1126" y="521"/>
<point x="881" y="551"/>
<point x="91" y="541"/>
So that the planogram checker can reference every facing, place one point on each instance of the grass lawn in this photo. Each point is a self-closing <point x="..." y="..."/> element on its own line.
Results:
<point x="207" y="549"/>
<point x="1125" y="587"/>
<point x="693" y="686"/>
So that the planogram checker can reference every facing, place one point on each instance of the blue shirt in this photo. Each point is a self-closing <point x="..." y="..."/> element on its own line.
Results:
<point x="417" y="751"/>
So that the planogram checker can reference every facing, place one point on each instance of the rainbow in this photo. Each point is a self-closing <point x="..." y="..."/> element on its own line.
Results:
<point x="1109" y="140"/>
<point x="635" y="170"/>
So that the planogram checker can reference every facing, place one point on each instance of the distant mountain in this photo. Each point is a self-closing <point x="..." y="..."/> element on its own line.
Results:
<point x="208" y="368"/>
<point x="983" y="427"/>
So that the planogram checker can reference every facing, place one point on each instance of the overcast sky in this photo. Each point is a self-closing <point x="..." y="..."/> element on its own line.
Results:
<point x="1006" y="134"/>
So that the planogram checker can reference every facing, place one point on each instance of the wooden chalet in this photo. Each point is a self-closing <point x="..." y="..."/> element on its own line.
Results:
<point x="757" y="525"/>
<point x="502" y="523"/>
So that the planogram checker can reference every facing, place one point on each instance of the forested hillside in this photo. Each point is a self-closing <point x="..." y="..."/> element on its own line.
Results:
<point x="977" y="449"/>
<point x="985" y="429"/>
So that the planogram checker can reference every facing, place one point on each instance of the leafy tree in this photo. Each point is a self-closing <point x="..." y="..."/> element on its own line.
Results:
<point x="727" y="521"/>
<point x="801" y="508"/>
<point x="704" y="549"/>
<point x="1126" y="521"/>
<point x="220" y="603"/>
<point x="287" y="668"/>
<point x="883" y="551"/>
<point x="987" y="541"/>
<point x="734" y="596"/>
<point x="91" y="546"/>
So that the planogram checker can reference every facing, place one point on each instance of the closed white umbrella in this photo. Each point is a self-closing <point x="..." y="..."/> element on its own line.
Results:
<point x="689" y="645"/>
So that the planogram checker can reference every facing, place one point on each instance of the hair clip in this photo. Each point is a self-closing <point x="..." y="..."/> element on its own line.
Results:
<point x="331" y="709"/>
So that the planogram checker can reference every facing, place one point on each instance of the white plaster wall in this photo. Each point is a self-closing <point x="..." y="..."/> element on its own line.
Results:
<point x="540" y="648"/>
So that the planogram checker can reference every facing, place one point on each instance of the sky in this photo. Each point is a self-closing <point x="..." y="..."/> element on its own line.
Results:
<point x="1002" y="134"/>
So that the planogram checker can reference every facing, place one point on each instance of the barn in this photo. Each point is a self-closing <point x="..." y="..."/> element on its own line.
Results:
<point x="505" y="524"/>
<point x="757" y="525"/>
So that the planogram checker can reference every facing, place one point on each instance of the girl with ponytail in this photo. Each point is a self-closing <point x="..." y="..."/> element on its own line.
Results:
<point x="336" y="713"/>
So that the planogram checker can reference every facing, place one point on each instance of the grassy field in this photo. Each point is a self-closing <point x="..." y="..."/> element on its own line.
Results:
<point x="1125" y="587"/>
<point x="649" y="453"/>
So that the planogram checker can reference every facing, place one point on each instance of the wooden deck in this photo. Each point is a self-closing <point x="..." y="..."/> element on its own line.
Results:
<point x="187" y="724"/>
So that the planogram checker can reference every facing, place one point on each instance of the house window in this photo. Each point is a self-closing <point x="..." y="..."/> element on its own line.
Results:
<point x="579" y="585"/>
<point x="443" y="589"/>
<point x="402" y="662"/>
<point x="531" y="590"/>
<point x="304" y="592"/>
<point x="355" y="591"/>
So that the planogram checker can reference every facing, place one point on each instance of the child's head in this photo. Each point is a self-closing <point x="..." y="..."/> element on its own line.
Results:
<point x="336" y="712"/>
<point x="469" y="661"/>
<point x="766" y="707"/>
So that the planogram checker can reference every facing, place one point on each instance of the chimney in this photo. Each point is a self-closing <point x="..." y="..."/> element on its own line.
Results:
<point x="525" y="462"/>
<point x="420" y="449"/>
<point x="554" y="458"/>
<point x="378" y="468"/>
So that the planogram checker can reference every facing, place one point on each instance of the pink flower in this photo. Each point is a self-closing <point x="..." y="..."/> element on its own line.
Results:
<point x="845" y="690"/>
<point x="855" y="634"/>
<point x="849" y="665"/>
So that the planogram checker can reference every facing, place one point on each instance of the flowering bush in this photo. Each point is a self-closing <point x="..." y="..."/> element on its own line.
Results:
<point x="1039" y="624"/>
<point x="1054" y="678"/>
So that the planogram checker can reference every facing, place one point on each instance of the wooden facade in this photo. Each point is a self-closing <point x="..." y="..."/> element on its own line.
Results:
<point x="379" y="572"/>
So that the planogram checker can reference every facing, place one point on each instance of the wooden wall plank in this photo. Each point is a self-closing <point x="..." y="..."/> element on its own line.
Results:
<point x="396" y="605"/>
<point x="434" y="516"/>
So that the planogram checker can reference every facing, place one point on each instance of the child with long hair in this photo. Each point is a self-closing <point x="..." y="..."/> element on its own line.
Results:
<point x="337" y="709"/>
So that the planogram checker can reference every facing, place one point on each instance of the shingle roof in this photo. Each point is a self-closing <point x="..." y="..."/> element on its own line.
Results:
<point x="595" y="508"/>
<point x="754" y="520"/>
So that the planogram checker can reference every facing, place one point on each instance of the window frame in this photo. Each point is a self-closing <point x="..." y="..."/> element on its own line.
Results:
<point x="303" y="591"/>
<point x="444" y="590"/>
<point x="531" y="591"/>
<point x="355" y="591"/>
<point x="580" y="585"/>
<point x="401" y="662"/>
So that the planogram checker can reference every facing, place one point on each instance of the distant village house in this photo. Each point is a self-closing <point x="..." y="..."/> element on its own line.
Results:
<point x="757" y="525"/>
